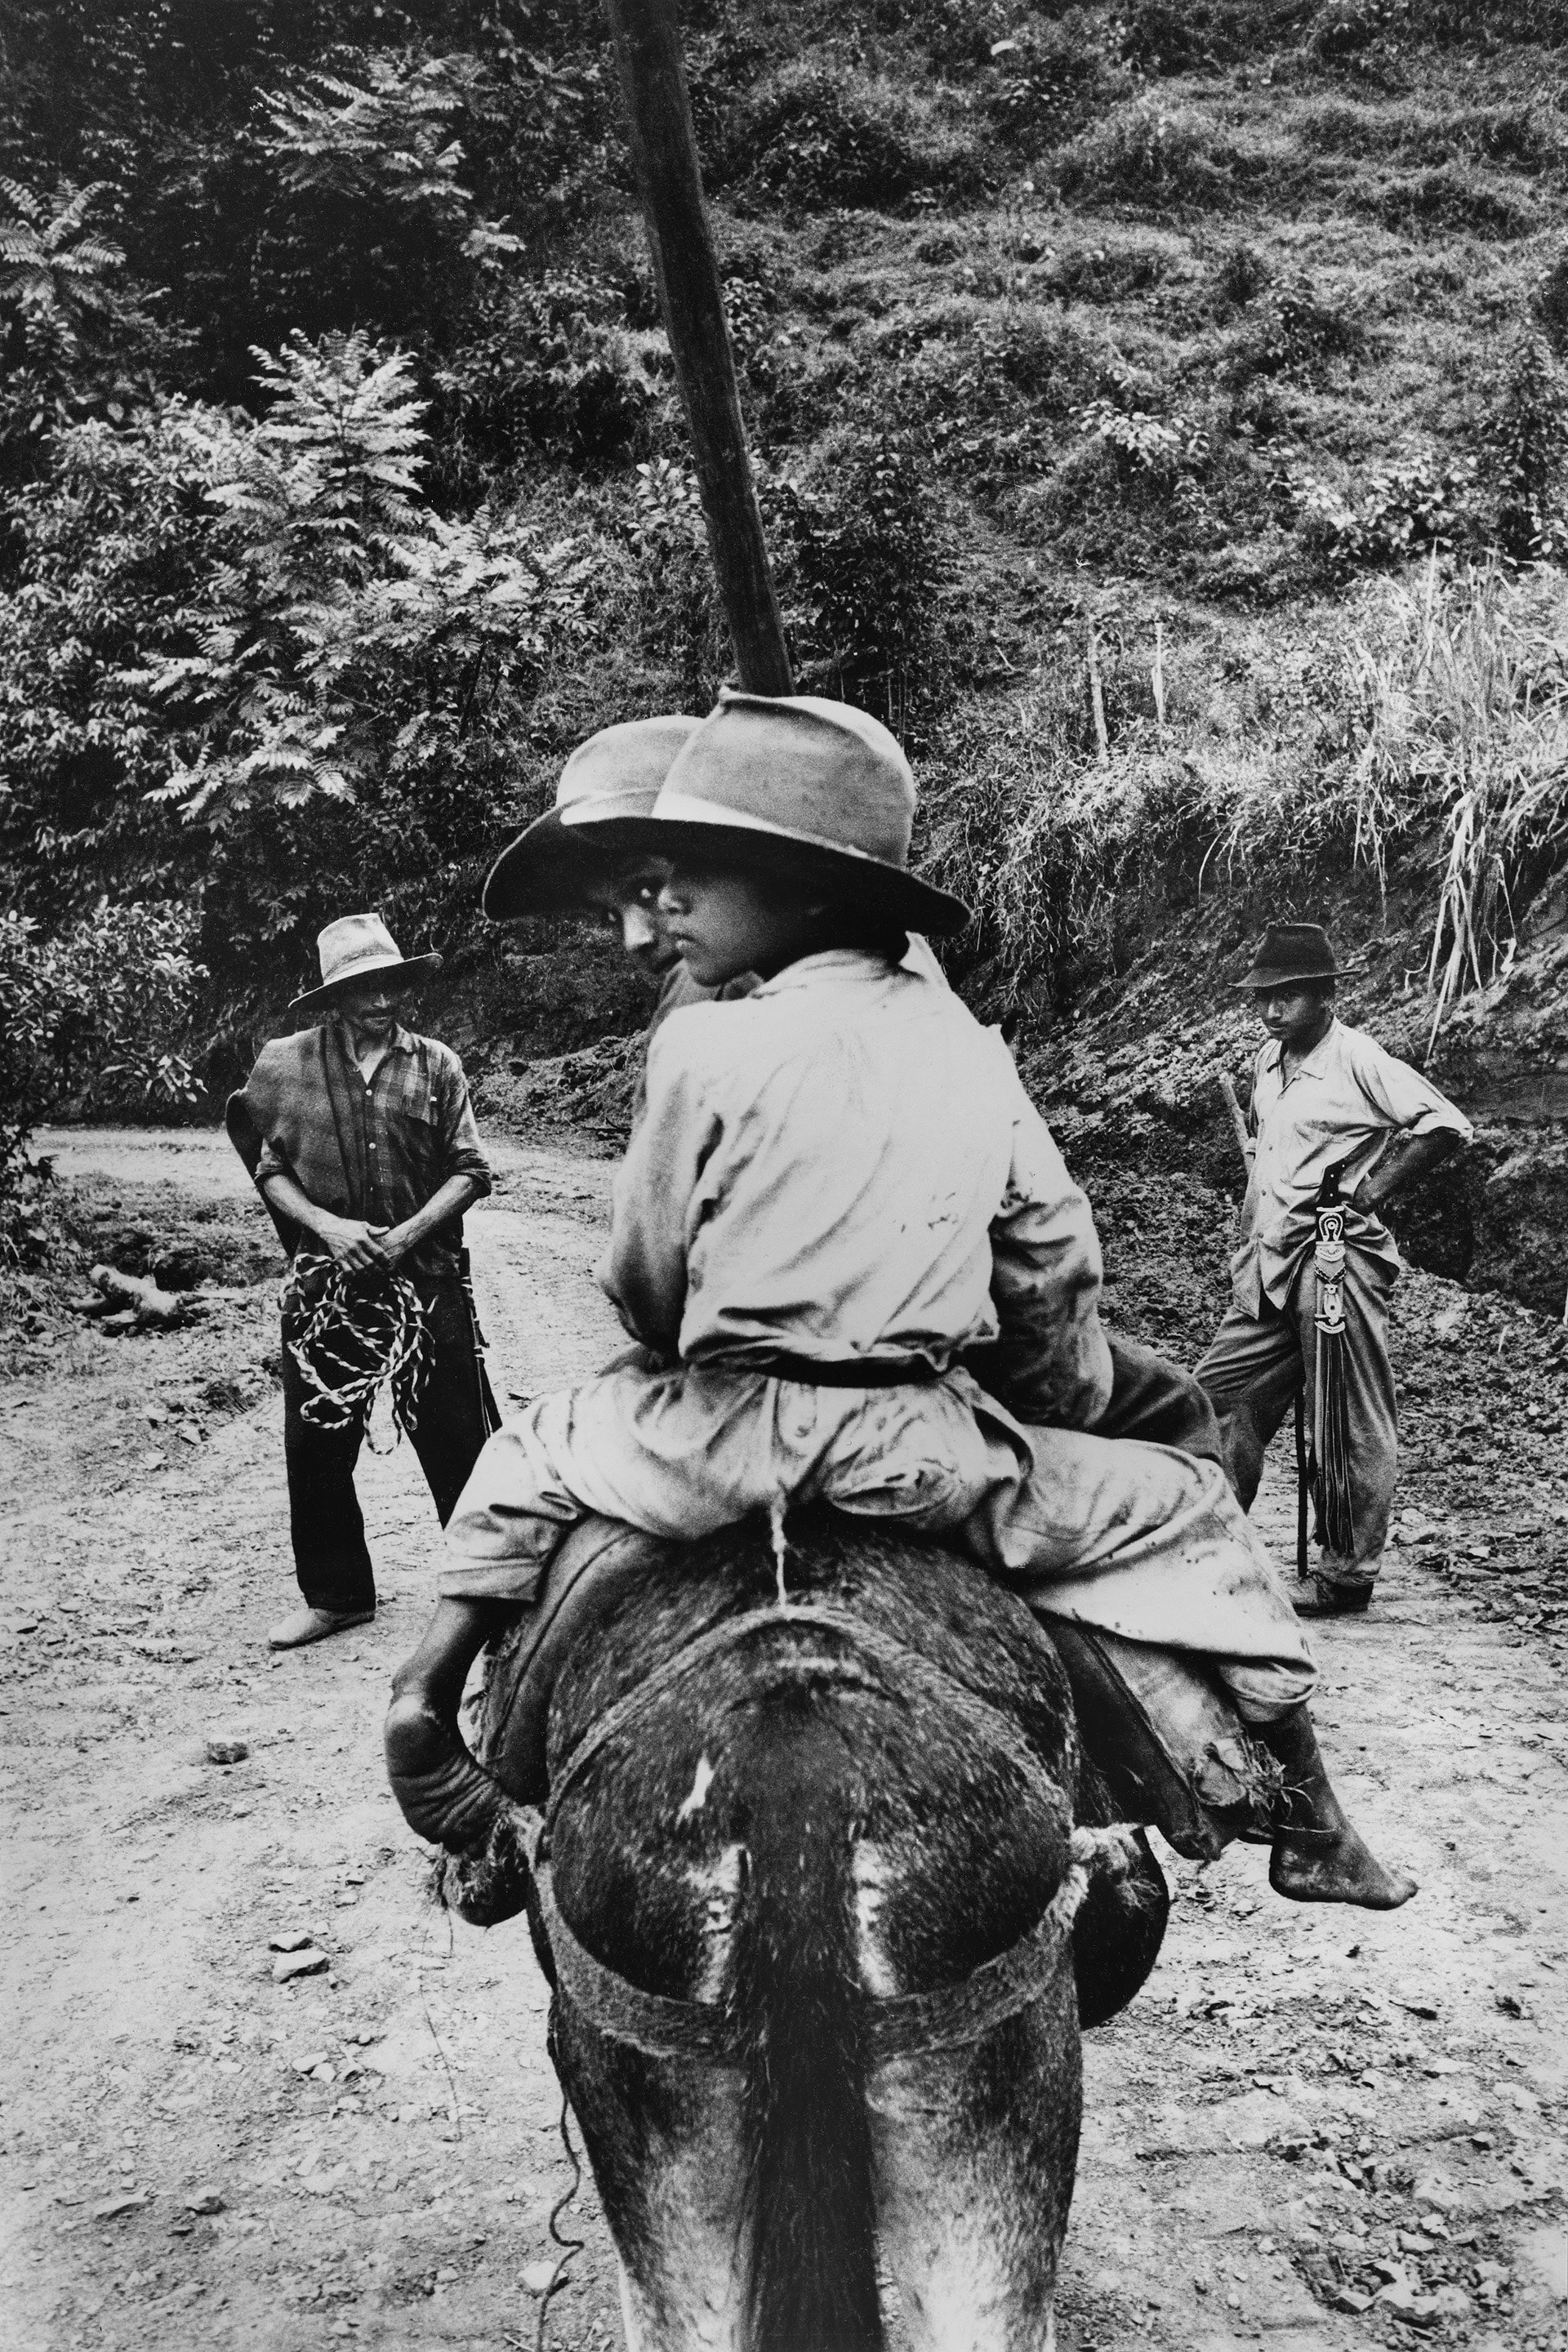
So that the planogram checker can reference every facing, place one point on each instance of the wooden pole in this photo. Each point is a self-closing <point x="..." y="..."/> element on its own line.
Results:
<point x="686" y="266"/>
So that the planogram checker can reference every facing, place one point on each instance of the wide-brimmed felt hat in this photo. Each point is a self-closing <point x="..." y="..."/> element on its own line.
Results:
<point x="816" y="789"/>
<point x="359" y="946"/>
<point x="615" y="774"/>
<point x="1293" y="954"/>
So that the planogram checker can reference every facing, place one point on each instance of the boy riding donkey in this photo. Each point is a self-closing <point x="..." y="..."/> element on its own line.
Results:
<point x="840" y="1189"/>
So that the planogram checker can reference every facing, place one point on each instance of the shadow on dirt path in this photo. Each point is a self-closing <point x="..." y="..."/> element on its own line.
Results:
<point x="1314" y="2129"/>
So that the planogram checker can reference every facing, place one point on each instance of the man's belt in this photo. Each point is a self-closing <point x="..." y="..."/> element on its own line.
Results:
<point x="860" y="1373"/>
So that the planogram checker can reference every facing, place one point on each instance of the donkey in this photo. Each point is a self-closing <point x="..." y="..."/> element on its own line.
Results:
<point x="826" y="1889"/>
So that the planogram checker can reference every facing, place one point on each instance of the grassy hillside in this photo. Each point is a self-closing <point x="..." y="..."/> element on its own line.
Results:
<point x="1159" y="415"/>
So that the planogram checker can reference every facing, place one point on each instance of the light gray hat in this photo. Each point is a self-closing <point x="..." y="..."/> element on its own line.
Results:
<point x="615" y="774"/>
<point x="359" y="946"/>
<point x="822" y="784"/>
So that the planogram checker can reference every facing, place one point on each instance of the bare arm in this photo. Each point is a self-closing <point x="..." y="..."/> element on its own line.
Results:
<point x="457" y="1193"/>
<point x="348" y="1241"/>
<point x="1405" y="1158"/>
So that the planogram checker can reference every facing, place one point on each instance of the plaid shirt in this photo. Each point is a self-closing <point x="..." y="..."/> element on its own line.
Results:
<point x="378" y="1151"/>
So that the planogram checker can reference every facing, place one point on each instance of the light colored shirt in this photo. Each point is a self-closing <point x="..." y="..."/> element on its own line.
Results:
<point x="845" y="1164"/>
<point x="1343" y="1102"/>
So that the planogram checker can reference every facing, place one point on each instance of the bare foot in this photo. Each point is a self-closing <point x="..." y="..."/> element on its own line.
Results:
<point x="1346" y="1871"/>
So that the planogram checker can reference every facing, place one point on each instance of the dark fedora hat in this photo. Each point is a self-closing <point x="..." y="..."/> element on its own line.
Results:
<point x="1291" y="955"/>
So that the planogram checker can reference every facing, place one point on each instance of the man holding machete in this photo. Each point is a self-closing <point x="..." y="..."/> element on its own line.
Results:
<point x="1336" y="1125"/>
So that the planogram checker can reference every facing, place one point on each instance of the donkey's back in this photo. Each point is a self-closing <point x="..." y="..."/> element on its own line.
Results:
<point x="809" y="1892"/>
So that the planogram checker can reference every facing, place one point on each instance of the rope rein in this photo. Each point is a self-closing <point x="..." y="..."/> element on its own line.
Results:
<point x="357" y="1334"/>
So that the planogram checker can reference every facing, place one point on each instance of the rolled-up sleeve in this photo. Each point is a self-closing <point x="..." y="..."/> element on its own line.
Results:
<point x="461" y="1151"/>
<point x="1051" y="1362"/>
<point x="1406" y="1099"/>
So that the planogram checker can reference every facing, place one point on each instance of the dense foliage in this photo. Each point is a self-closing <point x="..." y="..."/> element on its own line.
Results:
<point x="96" y="1017"/>
<point x="345" y="487"/>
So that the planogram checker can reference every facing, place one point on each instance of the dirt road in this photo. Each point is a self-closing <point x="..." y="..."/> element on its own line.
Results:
<point x="1315" y="2128"/>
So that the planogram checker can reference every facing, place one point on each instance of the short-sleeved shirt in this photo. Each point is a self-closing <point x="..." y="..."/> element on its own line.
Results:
<point x="377" y="1150"/>
<point x="1342" y="1103"/>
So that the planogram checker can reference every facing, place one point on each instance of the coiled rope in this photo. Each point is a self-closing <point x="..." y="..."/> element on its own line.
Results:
<point x="356" y="1334"/>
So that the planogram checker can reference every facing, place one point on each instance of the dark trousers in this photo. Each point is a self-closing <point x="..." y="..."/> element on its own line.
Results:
<point x="331" y="1557"/>
<point x="1255" y="1365"/>
<point x="1154" y="1400"/>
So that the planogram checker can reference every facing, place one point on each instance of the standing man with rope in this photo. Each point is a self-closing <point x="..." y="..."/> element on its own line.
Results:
<point x="361" y="1138"/>
<point x="1336" y="1127"/>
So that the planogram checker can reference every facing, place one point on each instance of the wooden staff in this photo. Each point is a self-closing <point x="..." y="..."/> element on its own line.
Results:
<point x="686" y="268"/>
<point x="1237" y="1118"/>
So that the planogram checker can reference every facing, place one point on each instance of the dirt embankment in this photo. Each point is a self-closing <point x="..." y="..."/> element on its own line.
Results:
<point x="1128" y="1080"/>
<point x="1313" y="2130"/>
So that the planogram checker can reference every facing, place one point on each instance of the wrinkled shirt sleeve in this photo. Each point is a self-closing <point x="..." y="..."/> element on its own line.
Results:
<point x="1401" y="1094"/>
<point x="1051" y="1362"/>
<point x="658" y="1195"/>
<point x="462" y="1154"/>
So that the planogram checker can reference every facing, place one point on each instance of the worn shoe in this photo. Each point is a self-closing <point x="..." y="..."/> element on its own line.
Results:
<point x="315" y="1625"/>
<point x="1320" y="1598"/>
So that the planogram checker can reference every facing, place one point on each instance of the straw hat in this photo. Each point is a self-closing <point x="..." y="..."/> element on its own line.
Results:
<point x="1293" y="955"/>
<point x="813" y="788"/>
<point x="359" y="946"/>
<point x="615" y="774"/>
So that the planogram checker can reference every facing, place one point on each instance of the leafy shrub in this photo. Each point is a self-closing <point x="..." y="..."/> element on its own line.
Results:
<point x="345" y="611"/>
<point x="1550" y="302"/>
<point x="95" y="1017"/>
<point x="1292" y="332"/>
<point x="682" y="625"/>
<point x="1412" y="505"/>
<point x="872" y="559"/>
<point x="1526" y="431"/>
<point x="1346" y="28"/>
<point x="817" y="136"/>
<point x="543" y="370"/>
<point x="978" y="381"/>
<point x="1141" y="445"/>
<point x="1241" y="275"/>
<point x="1048" y="81"/>
<point x="76" y="337"/>
<point x="250" y="665"/>
<point x="1161" y="37"/>
<point x="1150" y="154"/>
<point x="1454" y="196"/>
<point x="367" y="216"/>
<point x="1117" y="264"/>
<point x="111" y="549"/>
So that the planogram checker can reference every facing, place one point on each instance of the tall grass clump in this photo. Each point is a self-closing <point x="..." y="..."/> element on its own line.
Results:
<point x="1426" y="731"/>
<point x="1464" y="719"/>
